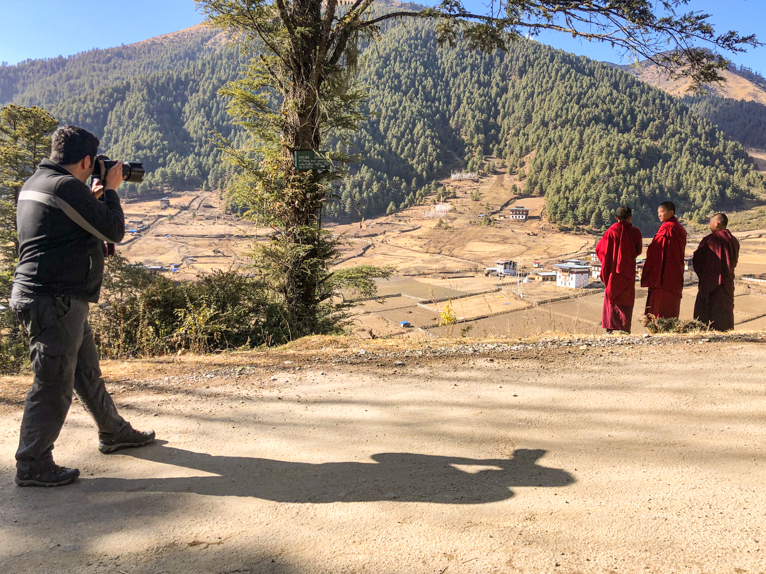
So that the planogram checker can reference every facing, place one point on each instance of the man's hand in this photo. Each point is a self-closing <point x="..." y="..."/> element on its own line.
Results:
<point x="97" y="188"/>
<point x="114" y="177"/>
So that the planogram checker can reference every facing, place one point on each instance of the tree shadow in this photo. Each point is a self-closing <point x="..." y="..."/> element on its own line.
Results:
<point x="404" y="477"/>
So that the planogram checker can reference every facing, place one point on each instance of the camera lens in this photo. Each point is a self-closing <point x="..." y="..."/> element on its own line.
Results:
<point x="133" y="171"/>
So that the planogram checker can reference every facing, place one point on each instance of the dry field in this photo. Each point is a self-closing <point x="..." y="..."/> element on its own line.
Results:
<point x="437" y="264"/>
<point x="194" y="232"/>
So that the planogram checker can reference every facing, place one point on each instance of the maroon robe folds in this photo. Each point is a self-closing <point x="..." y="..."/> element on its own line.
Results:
<point x="664" y="270"/>
<point x="617" y="251"/>
<point x="714" y="263"/>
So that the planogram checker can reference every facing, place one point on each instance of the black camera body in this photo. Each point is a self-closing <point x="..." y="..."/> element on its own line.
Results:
<point x="132" y="171"/>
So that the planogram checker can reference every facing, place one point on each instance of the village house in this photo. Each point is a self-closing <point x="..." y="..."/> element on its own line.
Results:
<point x="572" y="276"/>
<point x="519" y="213"/>
<point x="578" y="262"/>
<point x="503" y="267"/>
<point x="543" y="276"/>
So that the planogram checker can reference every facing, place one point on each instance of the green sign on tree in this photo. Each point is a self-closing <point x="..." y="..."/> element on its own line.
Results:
<point x="309" y="160"/>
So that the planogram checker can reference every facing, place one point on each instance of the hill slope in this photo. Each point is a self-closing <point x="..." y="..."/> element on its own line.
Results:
<point x="50" y="81"/>
<point x="741" y="83"/>
<point x="599" y="136"/>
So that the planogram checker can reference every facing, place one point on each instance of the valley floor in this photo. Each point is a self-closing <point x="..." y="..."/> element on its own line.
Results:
<point x="589" y="455"/>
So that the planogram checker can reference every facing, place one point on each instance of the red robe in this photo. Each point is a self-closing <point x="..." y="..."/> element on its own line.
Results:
<point x="714" y="263"/>
<point x="617" y="252"/>
<point x="664" y="270"/>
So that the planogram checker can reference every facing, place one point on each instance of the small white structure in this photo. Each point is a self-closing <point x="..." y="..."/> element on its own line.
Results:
<point x="519" y="213"/>
<point x="593" y="256"/>
<point x="544" y="276"/>
<point x="537" y="264"/>
<point x="502" y="268"/>
<point x="595" y="271"/>
<point x="438" y="211"/>
<point x="572" y="276"/>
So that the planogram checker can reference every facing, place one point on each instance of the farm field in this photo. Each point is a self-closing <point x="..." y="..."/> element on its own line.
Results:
<point x="440" y="260"/>
<point x="194" y="232"/>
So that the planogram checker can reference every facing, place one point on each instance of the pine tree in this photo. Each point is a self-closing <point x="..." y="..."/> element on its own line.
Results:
<point x="25" y="139"/>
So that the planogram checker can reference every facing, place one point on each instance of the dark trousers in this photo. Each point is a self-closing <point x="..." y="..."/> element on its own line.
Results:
<point x="64" y="359"/>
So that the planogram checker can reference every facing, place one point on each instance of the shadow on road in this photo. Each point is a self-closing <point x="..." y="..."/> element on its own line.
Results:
<point x="404" y="477"/>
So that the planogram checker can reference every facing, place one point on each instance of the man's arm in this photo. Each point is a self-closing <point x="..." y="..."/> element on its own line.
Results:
<point x="104" y="219"/>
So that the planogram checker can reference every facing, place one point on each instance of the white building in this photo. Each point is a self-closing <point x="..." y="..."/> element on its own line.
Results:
<point x="502" y="268"/>
<point x="519" y="213"/>
<point x="578" y="262"/>
<point x="572" y="276"/>
<point x="544" y="276"/>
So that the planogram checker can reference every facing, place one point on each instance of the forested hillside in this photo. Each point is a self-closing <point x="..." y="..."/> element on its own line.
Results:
<point x="585" y="135"/>
<point x="155" y="101"/>
<point x="599" y="136"/>
<point x="739" y="119"/>
<point x="50" y="81"/>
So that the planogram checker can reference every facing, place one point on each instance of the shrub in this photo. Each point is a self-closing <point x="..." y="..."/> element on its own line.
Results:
<point x="143" y="313"/>
<point x="674" y="325"/>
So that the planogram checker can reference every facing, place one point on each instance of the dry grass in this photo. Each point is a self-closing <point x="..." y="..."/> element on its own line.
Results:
<point x="735" y="87"/>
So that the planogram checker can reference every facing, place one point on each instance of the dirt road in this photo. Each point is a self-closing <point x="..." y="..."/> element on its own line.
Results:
<point x="632" y="455"/>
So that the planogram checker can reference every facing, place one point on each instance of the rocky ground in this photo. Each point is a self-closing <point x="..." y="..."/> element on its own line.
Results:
<point x="572" y="455"/>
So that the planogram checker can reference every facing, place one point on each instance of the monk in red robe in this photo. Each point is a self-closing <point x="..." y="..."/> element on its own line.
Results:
<point x="664" y="268"/>
<point x="714" y="263"/>
<point x="617" y="252"/>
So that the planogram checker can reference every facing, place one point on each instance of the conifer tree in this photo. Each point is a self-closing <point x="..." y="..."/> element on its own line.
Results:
<point x="25" y="139"/>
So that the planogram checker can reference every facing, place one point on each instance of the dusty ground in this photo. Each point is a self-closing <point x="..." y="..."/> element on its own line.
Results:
<point x="573" y="456"/>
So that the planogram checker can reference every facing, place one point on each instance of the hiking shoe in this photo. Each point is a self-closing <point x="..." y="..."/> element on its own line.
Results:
<point x="56" y="476"/>
<point x="129" y="438"/>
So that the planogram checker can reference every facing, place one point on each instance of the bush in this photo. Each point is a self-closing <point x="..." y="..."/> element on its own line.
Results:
<point x="143" y="313"/>
<point x="674" y="325"/>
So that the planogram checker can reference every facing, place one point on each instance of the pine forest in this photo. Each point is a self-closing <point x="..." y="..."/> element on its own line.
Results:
<point x="585" y="135"/>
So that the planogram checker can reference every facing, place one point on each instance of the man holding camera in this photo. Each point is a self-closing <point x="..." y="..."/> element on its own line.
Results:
<point x="63" y="226"/>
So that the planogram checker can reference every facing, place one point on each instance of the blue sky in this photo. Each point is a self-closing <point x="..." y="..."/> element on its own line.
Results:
<point x="49" y="28"/>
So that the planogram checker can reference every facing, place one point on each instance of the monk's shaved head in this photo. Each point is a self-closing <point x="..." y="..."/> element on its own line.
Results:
<point x="668" y="206"/>
<point x="666" y="211"/>
<point x="721" y="219"/>
<point x="624" y="213"/>
<point x="718" y="222"/>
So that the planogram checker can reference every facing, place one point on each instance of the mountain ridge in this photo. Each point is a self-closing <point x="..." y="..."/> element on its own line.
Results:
<point x="736" y="87"/>
<point x="600" y="136"/>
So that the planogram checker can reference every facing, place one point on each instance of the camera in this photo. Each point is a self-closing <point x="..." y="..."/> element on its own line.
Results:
<point x="132" y="171"/>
